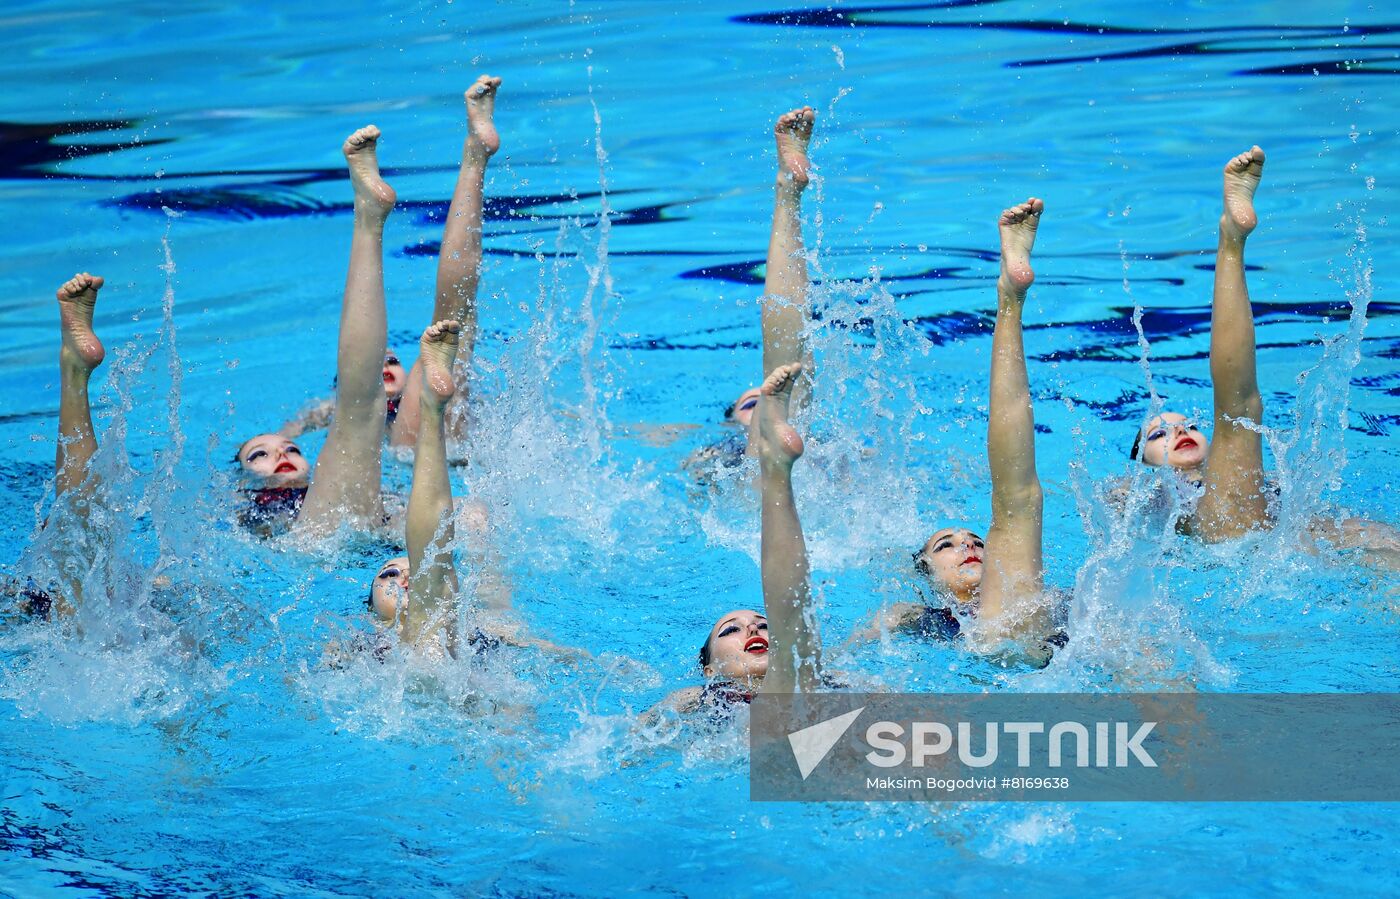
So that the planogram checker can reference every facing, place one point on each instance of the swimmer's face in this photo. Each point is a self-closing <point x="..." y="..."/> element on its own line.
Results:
<point x="389" y="589"/>
<point x="744" y="406"/>
<point x="394" y="376"/>
<point x="952" y="559"/>
<point x="738" y="646"/>
<point x="1173" y="440"/>
<point x="275" y="459"/>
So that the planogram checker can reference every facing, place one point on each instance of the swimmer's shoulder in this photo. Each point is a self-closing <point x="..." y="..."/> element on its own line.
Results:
<point x="903" y="616"/>
<point x="935" y="623"/>
<point x="727" y="452"/>
<point x="679" y="702"/>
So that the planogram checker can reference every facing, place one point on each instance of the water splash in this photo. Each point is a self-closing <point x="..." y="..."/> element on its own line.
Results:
<point x="125" y="552"/>
<point x="1311" y="455"/>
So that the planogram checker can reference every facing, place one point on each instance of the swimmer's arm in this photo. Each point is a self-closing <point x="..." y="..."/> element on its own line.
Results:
<point x="1377" y="545"/>
<point x="313" y="418"/>
<point x="515" y="636"/>
<point x="659" y="435"/>
<point x="1021" y="654"/>
<point x="494" y="592"/>
<point x="891" y="618"/>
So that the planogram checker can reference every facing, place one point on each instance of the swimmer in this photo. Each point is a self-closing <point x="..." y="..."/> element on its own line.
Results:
<point x="1233" y="500"/>
<point x="79" y="355"/>
<point x="417" y="593"/>
<point x="739" y="657"/>
<point x="998" y="581"/>
<point x="317" y="416"/>
<point x="1227" y="492"/>
<point x="424" y="610"/>
<point x="785" y="308"/>
<point x="458" y="275"/>
<point x="459" y="256"/>
<point x="345" y="487"/>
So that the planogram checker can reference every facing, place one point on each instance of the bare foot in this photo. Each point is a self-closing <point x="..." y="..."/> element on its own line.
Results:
<point x="77" y="299"/>
<point x="778" y="441"/>
<point x="436" y="351"/>
<point x="372" y="193"/>
<point x="1242" y="176"/>
<point x="482" y="138"/>
<point x="793" y="131"/>
<point x="1018" y="226"/>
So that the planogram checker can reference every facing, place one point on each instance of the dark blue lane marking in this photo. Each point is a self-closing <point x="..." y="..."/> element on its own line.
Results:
<point x="1372" y="57"/>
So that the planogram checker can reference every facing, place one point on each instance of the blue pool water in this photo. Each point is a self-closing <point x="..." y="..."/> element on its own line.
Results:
<point x="191" y="741"/>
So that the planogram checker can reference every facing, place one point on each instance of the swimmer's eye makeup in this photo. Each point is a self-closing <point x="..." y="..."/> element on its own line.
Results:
<point x="1159" y="432"/>
<point x="389" y="573"/>
<point x="734" y="628"/>
<point x="291" y="449"/>
<point x="947" y="543"/>
<point x="749" y="404"/>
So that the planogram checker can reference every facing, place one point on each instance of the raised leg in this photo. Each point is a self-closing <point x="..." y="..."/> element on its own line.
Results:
<point x="459" y="258"/>
<point x="79" y="355"/>
<point x="795" y="664"/>
<point x="785" y="307"/>
<point x="345" y="484"/>
<point x="433" y="581"/>
<point x="1233" y="502"/>
<point x="1012" y="577"/>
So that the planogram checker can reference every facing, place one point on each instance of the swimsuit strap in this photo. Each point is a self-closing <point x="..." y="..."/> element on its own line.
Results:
<point x="724" y="693"/>
<point x="271" y="506"/>
<point x="35" y="600"/>
<point x="937" y="623"/>
<point x="482" y="642"/>
<point x="277" y="496"/>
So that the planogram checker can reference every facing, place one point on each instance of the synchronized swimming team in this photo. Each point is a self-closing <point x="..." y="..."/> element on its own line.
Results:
<point x="989" y="591"/>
